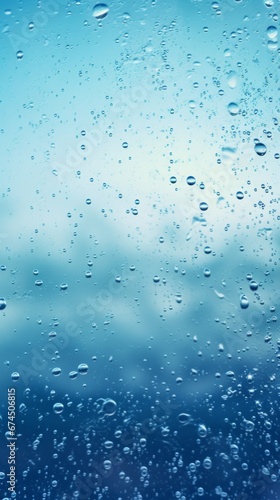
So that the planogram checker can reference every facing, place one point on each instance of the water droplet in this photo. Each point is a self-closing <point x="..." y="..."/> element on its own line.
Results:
<point x="207" y="273"/>
<point x="38" y="282"/>
<point x="207" y="463"/>
<point x="260" y="148"/>
<point x="271" y="32"/>
<point x="31" y="26"/>
<point x="184" y="418"/>
<point x="58" y="408"/>
<point x="15" y="376"/>
<point x="83" y="368"/>
<point x="2" y="475"/>
<point x="254" y="285"/>
<point x="156" y="278"/>
<point x="178" y="298"/>
<point x="52" y="335"/>
<point x="233" y="108"/>
<point x="125" y="145"/>
<point x="3" y="304"/>
<point x="244" y="302"/>
<point x="100" y="11"/>
<point x="179" y="380"/>
<point x="202" y="431"/>
<point x="63" y="286"/>
<point x="73" y="375"/>
<point x="232" y="79"/>
<point x="107" y="464"/>
<point x="173" y="179"/>
<point x="239" y="195"/>
<point x="203" y="206"/>
<point x="56" y="371"/>
<point x="109" y="407"/>
<point x="191" y="180"/>
<point x="88" y="274"/>
<point x="19" y="55"/>
<point x="88" y="201"/>
<point x="249" y="426"/>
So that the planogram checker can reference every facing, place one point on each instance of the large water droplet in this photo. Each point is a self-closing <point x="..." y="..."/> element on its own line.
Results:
<point x="184" y="418"/>
<point x="244" y="302"/>
<point x="233" y="108"/>
<point x="19" y="55"/>
<point x="58" y="408"/>
<point x="3" y="304"/>
<point x="191" y="180"/>
<point x="100" y="10"/>
<point x="271" y="32"/>
<point x="83" y="368"/>
<point x="260" y="148"/>
<point x="232" y="79"/>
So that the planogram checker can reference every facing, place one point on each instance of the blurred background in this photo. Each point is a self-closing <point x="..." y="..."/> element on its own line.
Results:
<point x="139" y="248"/>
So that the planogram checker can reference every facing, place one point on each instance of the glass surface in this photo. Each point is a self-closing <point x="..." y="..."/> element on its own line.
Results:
<point x="139" y="250"/>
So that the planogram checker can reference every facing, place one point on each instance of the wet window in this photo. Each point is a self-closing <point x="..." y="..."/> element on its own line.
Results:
<point x="139" y="250"/>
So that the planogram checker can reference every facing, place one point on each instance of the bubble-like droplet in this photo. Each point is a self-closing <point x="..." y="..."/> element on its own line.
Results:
<point x="233" y="108"/>
<point x="19" y="55"/>
<point x="109" y="407"/>
<point x="203" y="206"/>
<point x="63" y="286"/>
<point x="15" y="376"/>
<point x="2" y="475"/>
<point x="271" y="32"/>
<point x="173" y="179"/>
<point x="56" y="371"/>
<point x="83" y="368"/>
<point x="179" y="380"/>
<point x="58" y="408"/>
<point x="88" y="274"/>
<point x="232" y="79"/>
<point x="107" y="464"/>
<point x="239" y="195"/>
<point x="38" y="282"/>
<point x="3" y="304"/>
<point x="125" y="145"/>
<point x="156" y="279"/>
<point x="254" y="285"/>
<point x="207" y="463"/>
<point x="207" y="273"/>
<point x="191" y="180"/>
<point x="100" y="11"/>
<point x="202" y="431"/>
<point x="260" y="148"/>
<point x="249" y="426"/>
<point x="73" y="375"/>
<point x="244" y="302"/>
<point x="184" y="418"/>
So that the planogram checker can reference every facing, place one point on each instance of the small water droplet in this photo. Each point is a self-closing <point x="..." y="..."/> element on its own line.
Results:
<point x="239" y="195"/>
<point x="271" y="32"/>
<point x="125" y="145"/>
<point x="56" y="371"/>
<point x="184" y="418"/>
<point x="63" y="286"/>
<point x="100" y="11"/>
<point x="254" y="285"/>
<point x="232" y="79"/>
<point x="3" y="304"/>
<point x="173" y="179"/>
<point x="249" y="426"/>
<point x="58" y="408"/>
<point x="156" y="279"/>
<point x="260" y="148"/>
<point x="191" y="180"/>
<point x="83" y="369"/>
<point x="202" y="431"/>
<point x="19" y="55"/>
<point x="207" y="463"/>
<point x="15" y="376"/>
<point x="244" y="302"/>
<point x="203" y="206"/>
<point x="109" y="407"/>
<point x="233" y="108"/>
<point x="207" y="273"/>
